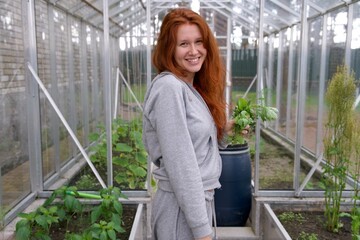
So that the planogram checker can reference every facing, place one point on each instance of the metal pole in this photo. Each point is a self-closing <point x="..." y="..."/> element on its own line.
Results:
<point x="349" y="35"/>
<point x="258" y="93"/>
<point x="301" y="93"/>
<point x="33" y="109"/>
<point x="148" y="46"/>
<point x="107" y="87"/>
<point x="53" y="121"/>
<point x="228" y="67"/>
<point x="290" y="82"/>
<point x="319" y="135"/>
<point x="116" y="99"/>
<point x="279" y="78"/>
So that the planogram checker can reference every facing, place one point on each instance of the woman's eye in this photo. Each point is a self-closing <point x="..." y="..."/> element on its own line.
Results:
<point x="183" y="44"/>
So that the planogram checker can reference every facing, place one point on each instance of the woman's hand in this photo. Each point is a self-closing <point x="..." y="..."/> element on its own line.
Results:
<point x="246" y="130"/>
<point x="229" y="128"/>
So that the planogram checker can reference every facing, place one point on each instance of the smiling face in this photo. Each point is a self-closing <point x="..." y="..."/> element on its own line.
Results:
<point x="190" y="52"/>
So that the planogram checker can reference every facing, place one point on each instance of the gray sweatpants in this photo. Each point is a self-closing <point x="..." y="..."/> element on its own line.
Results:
<point x="168" y="221"/>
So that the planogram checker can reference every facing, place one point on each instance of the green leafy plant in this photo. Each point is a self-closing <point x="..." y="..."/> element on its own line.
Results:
<point x="355" y="213"/>
<point x="68" y="206"/>
<point x="129" y="154"/>
<point x="36" y="224"/>
<point x="84" y="236"/>
<point x="355" y="174"/>
<point x="105" y="230"/>
<point x="338" y="143"/>
<point x="307" y="236"/>
<point x="62" y="205"/>
<point x="110" y="208"/>
<point x="245" y="114"/>
<point x="290" y="217"/>
<point x="87" y="181"/>
<point x="355" y="221"/>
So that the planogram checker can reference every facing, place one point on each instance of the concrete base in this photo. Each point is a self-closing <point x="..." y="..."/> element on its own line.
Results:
<point x="238" y="233"/>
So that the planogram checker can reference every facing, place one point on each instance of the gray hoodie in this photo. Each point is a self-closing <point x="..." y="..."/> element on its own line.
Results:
<point x="180" y="136"/>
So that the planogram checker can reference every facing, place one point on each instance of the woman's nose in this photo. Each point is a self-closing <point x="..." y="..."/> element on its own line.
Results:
<point x="193" y="49"/>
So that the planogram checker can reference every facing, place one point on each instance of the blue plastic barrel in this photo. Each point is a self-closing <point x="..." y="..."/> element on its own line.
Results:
<point x="233" y="199"/>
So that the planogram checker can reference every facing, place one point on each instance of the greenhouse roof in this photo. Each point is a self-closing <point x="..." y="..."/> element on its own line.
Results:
<point x="124" y="15"/>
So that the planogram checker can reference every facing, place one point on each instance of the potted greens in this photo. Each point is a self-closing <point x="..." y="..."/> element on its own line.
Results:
<point x="245" y="114"/>
<point x="233" y="199"/>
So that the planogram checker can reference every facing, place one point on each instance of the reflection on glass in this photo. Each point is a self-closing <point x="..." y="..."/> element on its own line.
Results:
<point x="282" y="95"/>
<point x="44" y="72"/>
<point x="312" y="85"/>
<point x="14" y="158"/>
<point x="291" y="125"/>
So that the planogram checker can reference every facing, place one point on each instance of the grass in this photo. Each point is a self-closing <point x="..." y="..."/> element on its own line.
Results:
<point x="139" y="91"/>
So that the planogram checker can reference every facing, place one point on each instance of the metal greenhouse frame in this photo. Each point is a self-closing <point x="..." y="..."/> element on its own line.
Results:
<point x="67" y="66"/>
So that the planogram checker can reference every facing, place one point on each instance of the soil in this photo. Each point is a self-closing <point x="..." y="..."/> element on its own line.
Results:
<point x="313" y="223"/>
<point x="276" y="169"/>
<point x="80" y="223"/>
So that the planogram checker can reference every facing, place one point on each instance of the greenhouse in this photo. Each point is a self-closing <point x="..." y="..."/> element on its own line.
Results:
<point x="73" y="78"/>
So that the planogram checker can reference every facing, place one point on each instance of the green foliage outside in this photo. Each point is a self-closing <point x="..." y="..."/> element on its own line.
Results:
<point x="138" y="89"/>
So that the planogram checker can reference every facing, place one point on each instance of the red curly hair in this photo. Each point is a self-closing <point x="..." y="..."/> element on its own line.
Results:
<point x="210" y="80"/>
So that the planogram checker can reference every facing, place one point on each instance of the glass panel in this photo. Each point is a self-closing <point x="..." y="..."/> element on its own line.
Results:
<point x="294" y="4"/>
<point x="280" y="14"/>
<point x="266" y="62"/>
<point x="272" y="155"/>
<point x="44" y="72"/>
<point x="355" y="62"/>
<point x="244" y="60"/>
<point x="90" y="66"/>
<point x="270" y="91"/>
<point x="14" y="158"/>
<point x="312" y="85"/>
<point x="100" y="94"/>
<point x="326" y="4"/>
<point x="335" y="48"/>
<point x="282" y="95"/>
<point x="312" y="95"/>
<point x="291" y="131"/>
<point x="76" y="40"/>
<point x="62" y="80"/>
<point x="355" y="42"/>
<point x="336" y="41"/>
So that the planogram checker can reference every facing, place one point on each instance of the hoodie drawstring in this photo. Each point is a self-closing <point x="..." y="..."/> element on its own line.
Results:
<point x="214" y="218"/>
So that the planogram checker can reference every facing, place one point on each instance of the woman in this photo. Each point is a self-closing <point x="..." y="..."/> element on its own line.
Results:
<point x="184" y="119"/>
